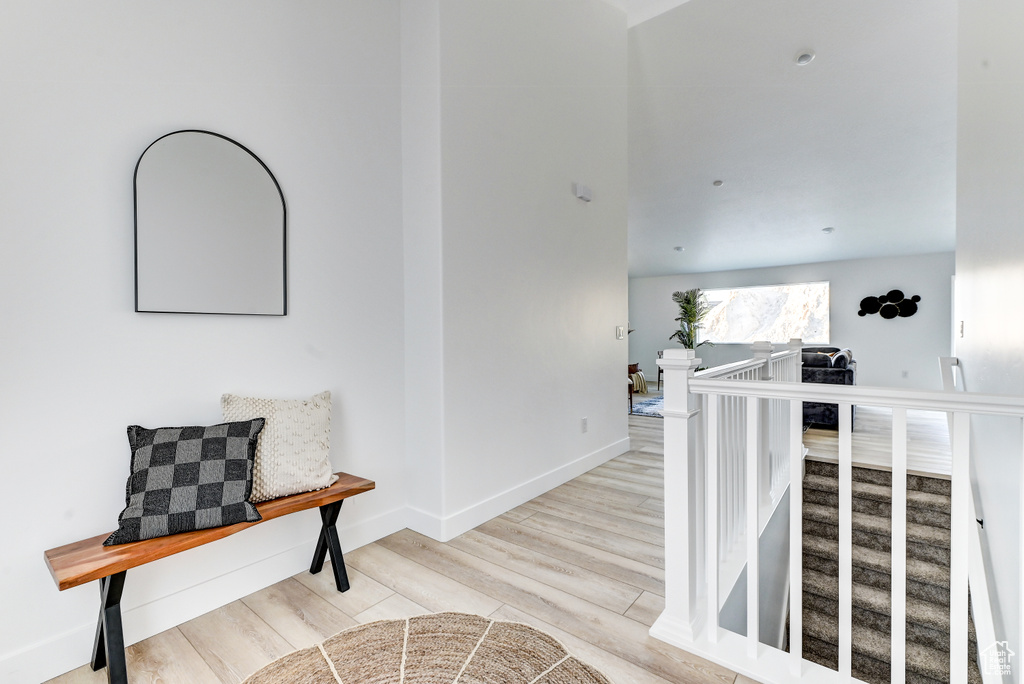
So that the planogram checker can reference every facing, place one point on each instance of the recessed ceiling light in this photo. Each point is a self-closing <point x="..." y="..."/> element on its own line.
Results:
<point x="679" y="249"/>
<point x="804" y="57"/>
<point x="718" y="183"/>
<point x="828" y="230"/>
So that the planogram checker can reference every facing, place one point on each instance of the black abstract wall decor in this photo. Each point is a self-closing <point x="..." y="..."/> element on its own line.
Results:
<point x="890" y="305"/>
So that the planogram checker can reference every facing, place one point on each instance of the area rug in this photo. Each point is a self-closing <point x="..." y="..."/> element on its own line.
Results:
<point x="444" y="648"/>
<point x="650" y="407"/>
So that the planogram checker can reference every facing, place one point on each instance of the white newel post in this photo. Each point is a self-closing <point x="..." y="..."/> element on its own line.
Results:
<point x="797" y="344"/>
<point x="762" y="351"/>
<point x="684" y="515"/>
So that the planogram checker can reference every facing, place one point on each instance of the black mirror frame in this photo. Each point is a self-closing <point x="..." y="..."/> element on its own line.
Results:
<point x="284" y="226"/>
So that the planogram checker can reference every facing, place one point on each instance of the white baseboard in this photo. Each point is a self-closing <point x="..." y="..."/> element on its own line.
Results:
<point x="72" y="648"/>
<point x="771" y="666"/>
<point x="448" y="527"/>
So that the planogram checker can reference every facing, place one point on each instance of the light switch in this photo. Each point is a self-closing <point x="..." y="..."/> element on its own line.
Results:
<point x="620" y="332"/>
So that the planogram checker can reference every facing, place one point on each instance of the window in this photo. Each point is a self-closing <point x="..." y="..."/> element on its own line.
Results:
<point x="775" y="313"/>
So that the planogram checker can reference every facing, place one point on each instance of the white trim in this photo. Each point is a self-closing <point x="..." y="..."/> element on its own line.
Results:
<point x="981" y="601"/>
<point x="928" y="400"/>
<point x="716" y="372"/>
<point x="679" y="414"/>
<point x="785" y="353"/>
<point x="771" y="667"/>
<point x="448" y="527"/>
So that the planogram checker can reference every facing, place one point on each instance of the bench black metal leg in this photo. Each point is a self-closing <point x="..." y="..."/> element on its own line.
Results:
<point x="329" y="542"/>
<point x="108" y="648"/>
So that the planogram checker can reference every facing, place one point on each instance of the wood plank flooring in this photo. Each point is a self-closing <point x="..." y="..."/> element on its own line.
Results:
<point x="928" y="451"/>
<point x="583" y="562"/>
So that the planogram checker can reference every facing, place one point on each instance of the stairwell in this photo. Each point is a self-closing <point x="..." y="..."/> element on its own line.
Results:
<point x="928" y="513"/>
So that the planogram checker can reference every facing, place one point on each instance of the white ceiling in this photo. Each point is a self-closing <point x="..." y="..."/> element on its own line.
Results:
<point x="863" y="139"/>
<point x="642" y="10"/>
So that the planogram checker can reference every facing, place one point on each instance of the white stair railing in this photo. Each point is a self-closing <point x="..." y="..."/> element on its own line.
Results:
<point x="698" y="457"/>
<point x="981" y="600"/>
<point x="727" y="476"/>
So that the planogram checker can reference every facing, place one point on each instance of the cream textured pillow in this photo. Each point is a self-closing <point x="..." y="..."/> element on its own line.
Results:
<point x="293" y="450"/>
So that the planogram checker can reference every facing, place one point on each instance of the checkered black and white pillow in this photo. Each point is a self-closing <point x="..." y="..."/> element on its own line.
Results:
<point x="188" y="478"/>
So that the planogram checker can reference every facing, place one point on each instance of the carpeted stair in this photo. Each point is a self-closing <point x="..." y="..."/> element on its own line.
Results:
<point x="927" y="575"/>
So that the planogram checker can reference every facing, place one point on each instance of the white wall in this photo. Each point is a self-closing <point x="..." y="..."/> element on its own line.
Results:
<point x="462" y="345"/>
<point x="311" y="87"/>
<point x="990" y="278"/>
<point x="424" y="325"/>
<point x="533" y="99"/>
<point x="884" y="349"/>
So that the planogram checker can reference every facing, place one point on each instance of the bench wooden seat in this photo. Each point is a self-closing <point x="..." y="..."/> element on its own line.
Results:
<point x="84" y="561"/>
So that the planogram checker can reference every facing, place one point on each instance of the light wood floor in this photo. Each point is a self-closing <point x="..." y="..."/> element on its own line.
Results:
<point x="928" y="451"/>
<point x="584" y="562"/>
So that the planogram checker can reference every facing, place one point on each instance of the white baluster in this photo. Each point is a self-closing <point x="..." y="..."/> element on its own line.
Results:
<point x="741" y="463"/>
<point x="732" y="482"/>
<point x="763" y="352"/>
<point x="899" y="547"/>
<point x="796" y="519"/>
<point x="845" y="540"/>
<point x="711" y="573"/>
<point x="726" y="476"/>
<point x="753" y="564"/>
<point x="958" y="531"/>
<point x="700" y="494"/>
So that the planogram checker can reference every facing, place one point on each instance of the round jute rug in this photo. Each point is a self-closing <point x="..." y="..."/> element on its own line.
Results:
<point x="444" y="648"/>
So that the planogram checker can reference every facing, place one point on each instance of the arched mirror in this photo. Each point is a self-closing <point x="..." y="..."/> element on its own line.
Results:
<point x="209" y="229"/>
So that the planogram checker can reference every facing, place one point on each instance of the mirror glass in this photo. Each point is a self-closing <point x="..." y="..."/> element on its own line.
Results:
<point x="209" y="228"/>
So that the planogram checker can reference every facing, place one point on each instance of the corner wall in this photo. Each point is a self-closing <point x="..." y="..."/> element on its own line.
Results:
<point x="990" y="278"/>
<point x="533" y="100"/>
<point x="884" y="349"/>
<point x="312" y="87"/>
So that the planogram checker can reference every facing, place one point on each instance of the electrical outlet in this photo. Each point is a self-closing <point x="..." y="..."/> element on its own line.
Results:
<point x="583" y="424"/>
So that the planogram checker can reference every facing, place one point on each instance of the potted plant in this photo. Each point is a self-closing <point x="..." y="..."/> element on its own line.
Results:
<point x="693" y="309"/>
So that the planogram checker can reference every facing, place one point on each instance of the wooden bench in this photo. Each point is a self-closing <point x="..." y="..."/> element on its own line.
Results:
<point x="88" y="560"/>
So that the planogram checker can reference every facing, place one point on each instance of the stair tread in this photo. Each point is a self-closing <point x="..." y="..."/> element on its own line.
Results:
<point x="877" y="600"/>
<point x="879" y="578"/>
<point x="926" y="534"/>
<point x="924" y="516"/>
<point x="921" y="659"/>
<point x="873" y="559"/>
<point x="876" y="492"/>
